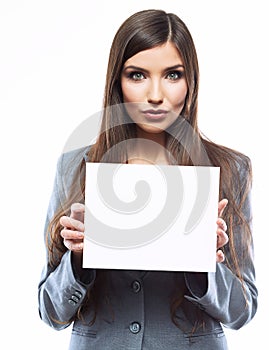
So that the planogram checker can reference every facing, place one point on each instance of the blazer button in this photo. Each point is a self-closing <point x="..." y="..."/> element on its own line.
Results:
<point x="78" y="294"/>
<point x="136" y="286"/>
<point x="135" y="327"/>
<point x="72" y="302"/>
<point x="75" y="298"/>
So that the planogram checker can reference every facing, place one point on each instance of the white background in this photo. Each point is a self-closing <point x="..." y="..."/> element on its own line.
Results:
<point x="53" y="57"/>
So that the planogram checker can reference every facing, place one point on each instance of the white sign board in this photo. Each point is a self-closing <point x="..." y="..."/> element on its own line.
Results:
<point x="151" y="217"/>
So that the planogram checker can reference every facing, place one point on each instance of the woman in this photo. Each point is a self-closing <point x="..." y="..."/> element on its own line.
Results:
<point x="152" y="84"/>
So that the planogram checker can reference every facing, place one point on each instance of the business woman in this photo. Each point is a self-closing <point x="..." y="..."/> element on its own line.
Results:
<point x="152" y="84"/>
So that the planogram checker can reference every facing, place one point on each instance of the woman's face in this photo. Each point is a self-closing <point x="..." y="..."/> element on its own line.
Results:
<point x="154" y="87"/>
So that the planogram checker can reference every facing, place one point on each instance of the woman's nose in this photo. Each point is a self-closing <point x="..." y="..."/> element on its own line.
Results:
<point x="155" y="94"/>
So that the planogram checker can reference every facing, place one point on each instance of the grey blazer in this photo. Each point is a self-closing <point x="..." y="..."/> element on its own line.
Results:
<point x="134" y="307"/>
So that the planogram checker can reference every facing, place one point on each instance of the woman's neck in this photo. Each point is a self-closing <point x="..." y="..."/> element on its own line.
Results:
<point x="148" y="148"/>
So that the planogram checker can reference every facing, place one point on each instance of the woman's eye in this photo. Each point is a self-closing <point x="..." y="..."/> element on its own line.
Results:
<point x="136" y="76"/>
<point x="175" y="75"/>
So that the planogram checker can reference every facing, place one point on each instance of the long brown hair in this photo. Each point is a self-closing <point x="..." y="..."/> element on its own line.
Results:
<point x="145" y="30"/>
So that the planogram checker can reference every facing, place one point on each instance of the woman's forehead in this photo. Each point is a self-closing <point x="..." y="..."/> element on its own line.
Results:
<point x="166" y="55"/>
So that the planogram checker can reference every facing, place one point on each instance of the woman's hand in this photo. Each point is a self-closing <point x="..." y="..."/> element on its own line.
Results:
<point x="73" y="231"/>
<point x="222" y="237"/>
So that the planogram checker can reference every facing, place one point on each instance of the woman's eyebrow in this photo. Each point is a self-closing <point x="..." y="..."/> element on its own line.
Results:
<point x="174" y="67"/>
<point x="146" y="71"/>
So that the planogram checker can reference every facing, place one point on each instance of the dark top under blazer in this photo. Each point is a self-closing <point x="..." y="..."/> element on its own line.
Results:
<point x="138" y="313"/>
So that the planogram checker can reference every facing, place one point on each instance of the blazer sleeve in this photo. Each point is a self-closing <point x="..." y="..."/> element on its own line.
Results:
<point x="222" y="295"/>
<point x="60" y="290"/>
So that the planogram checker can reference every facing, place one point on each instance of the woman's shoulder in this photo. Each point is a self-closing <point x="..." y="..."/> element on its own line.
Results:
<point x="74" y="156"/>
<point x="241" y="160"/>
<point x="70" y="170"/>
<point x="228" y="156"/>
<point x="70" y="162"/>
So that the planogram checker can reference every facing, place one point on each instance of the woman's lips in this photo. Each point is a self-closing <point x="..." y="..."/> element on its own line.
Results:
<point x="157" y="114"/>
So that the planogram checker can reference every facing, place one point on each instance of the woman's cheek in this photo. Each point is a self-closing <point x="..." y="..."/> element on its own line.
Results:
<point x="135" y="95"/>
<point x="176" y="96"/>
<point x="133" y="92"/>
